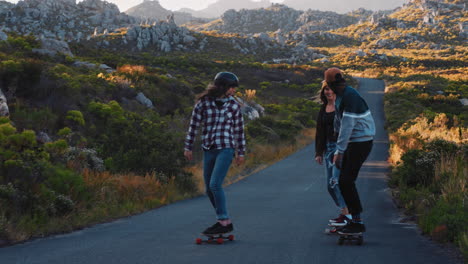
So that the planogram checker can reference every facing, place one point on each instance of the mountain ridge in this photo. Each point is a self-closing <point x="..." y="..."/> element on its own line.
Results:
<point x="339" y="7"/>
<point x="152" y="10"/>
<point x="216" y="9"/>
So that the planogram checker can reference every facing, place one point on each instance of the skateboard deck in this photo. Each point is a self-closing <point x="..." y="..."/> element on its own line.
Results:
<point x="351" y="237"/>
<point x="215" y="238"/>
<point x="332" y="230"/>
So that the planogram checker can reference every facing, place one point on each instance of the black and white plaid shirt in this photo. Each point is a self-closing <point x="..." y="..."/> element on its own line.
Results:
<point x="223" y="126"/>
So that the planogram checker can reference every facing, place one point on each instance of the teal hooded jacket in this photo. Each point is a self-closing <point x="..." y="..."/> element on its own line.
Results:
<point x="353" y="120"/>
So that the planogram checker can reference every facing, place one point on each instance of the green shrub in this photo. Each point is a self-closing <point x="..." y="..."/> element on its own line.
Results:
<point x="267" y="129"/>
<point x="128" y="142"/>
<point x="64" y="132"/>
<point x="26" y="43"/>
<point x="64" y="181"/>
<point x="8" y="191"/>
<point x="22" y="174"/>
<point x="10" y="67"/>
<point x="38" y="119"/>
<point x="264" y="85"/>
<point x="25" y="139"/>
<point x="56" y="148"/>
<point x="6" y="129"/>
<point x="4" y="120"/>
<point x="76" y="116"/>
<point x="313" y="88"/>
<point x="447" y="220"/>
<point x="463" y="245"/>
<point x="442" y="146"/>
<point x="63" y="204"/>
<point x="417" y="168"/>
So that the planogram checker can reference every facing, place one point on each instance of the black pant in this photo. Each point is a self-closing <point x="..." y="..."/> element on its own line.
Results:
<point x="353" y="158"/>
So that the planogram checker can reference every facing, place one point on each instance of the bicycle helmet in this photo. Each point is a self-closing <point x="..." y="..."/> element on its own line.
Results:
<point x="227" y="79"/>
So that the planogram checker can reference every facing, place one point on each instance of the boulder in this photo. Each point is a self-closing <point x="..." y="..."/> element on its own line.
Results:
<point x="106" y="68"/>
<point x="464" y="101"/>
<point x="84" y="64"/>
<point x="142" y="99"/>
<point x="4" y="110"/>
<point x="43" y="137"/>
<point x="3" y="36"/>
<point x="360" y="53"/>
<point x="53" y="47"/>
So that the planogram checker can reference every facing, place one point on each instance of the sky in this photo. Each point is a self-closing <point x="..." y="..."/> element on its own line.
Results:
<point x="170" y="4"/>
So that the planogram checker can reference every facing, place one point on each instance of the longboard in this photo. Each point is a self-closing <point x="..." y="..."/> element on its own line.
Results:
<point x="215" y="238"/>
<point x="358" y="237"/>
<point x="332" y="230"/>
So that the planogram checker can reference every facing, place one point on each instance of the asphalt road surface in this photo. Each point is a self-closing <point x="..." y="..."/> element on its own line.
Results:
<point x="279" y="216"/>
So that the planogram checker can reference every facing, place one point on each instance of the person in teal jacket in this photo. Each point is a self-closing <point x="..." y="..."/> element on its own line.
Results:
<point x="356" y="129"/>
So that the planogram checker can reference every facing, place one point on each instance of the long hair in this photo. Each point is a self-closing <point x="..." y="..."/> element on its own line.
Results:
<point x="323" y="98"/>
<point x="215" y="91"/>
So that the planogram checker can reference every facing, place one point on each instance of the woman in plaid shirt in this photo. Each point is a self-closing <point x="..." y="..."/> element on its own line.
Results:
<point x="222" y="135"/>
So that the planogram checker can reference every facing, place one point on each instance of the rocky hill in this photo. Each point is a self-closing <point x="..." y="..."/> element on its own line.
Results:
<point x="276" y="17"/>
<point x="340" y="6"/>
<point x="96" y="22"/>
<point x="287" y="25"/>
<point x="280" y="33"/>
<point x="99" y="24"/>
<point x="280" y="17"/>
<point x="62" y="19"/>
<point x="5" y="6"/>
<point x="166" y="36"/>
<point x="419" y="24"/>
<point x="151" y="10"/>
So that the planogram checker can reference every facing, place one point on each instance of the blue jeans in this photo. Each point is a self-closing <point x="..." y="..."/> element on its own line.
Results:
<point x="216" y="163"/>
<point x="333" y="175"/>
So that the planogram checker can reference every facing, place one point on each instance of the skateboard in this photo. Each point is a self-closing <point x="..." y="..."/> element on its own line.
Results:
<point x="358" y="237"/>
<point x="332" y="230"/>
<point x="215" y="238"/>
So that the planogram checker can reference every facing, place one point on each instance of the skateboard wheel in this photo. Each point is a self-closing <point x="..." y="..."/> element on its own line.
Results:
<point x="340" y="241"/>
<point x="219" y="240"/>
<point x="231" y="237"/>
<point x="360" y="241"/>
<point x="198" y="241"/>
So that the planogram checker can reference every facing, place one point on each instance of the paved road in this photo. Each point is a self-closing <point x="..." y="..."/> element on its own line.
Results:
<point x="279" y="215"/>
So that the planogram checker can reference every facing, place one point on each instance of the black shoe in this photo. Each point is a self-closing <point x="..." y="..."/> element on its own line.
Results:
<point x="208" y="230"/>
<point x="218" y="229"/>
<point x="352" y="228"/>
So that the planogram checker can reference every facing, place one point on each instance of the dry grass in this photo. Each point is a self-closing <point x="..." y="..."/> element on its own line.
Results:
<point x="144" y="190"/>
<point x="455" y="166"/>
<point x="132" y="69"/>
<point x="421" y="130"/>
<point x="111" y="196"/>
<point x="122" y="82"/>
<point x="250" y="94"/>
<point x="374" y="69"/>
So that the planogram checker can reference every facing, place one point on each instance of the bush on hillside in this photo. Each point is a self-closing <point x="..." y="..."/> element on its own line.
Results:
<point x="131" y="143"/>
<point x="417" y="168"/>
